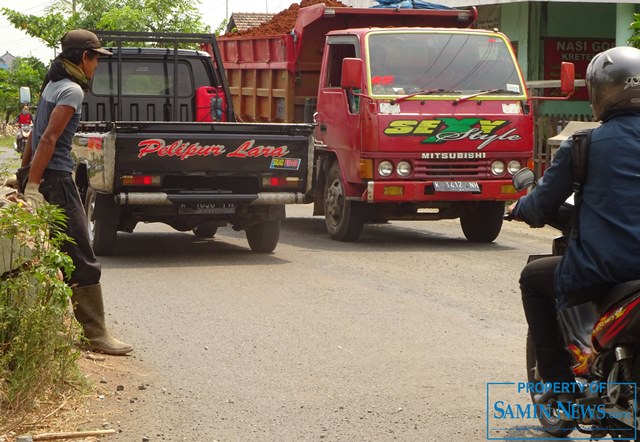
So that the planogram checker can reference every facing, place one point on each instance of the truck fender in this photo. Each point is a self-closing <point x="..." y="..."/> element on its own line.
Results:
<point x="106" y="208"/>
<point x="81" y="178"/>
<point x="323" y="163"/>
<point x="352" y="190"/>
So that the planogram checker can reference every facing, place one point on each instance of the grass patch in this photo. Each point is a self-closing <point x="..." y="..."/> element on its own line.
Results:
<point x="9" y="162"/>
<point x="7" y="142"/>
<point x="38" y="362"/>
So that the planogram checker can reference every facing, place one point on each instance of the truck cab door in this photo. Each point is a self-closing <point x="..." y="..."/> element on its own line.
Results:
<point x="339" y="111"/>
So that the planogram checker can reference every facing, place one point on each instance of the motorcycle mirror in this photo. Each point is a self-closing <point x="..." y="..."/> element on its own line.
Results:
<point x="523" y="179"/>
<point x="25" y="95"/>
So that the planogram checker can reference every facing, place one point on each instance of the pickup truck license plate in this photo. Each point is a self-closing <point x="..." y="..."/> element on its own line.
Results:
<point x="207" y="209"/>
<point x="456" y="186"/>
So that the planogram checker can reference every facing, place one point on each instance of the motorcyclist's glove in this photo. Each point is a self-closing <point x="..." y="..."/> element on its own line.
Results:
<point x="33" y="196"/>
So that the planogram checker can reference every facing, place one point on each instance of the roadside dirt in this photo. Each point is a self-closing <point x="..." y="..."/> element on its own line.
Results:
<point x="119" y="386"/>
<point x="115" y="384"/>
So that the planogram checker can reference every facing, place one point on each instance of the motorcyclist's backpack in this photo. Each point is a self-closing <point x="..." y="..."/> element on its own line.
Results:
<point x="580" y="157"/>
<point x="579" y="168"/>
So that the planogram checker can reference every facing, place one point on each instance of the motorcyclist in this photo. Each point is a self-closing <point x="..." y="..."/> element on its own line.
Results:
<point x="24" y="117"/>
<point x="604" y="246"/>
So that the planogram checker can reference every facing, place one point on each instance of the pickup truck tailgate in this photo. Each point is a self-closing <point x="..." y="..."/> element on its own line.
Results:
<point x="178" y="157"/>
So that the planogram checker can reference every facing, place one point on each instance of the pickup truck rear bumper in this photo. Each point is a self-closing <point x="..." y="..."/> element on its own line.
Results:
<point x="161" y="198"/>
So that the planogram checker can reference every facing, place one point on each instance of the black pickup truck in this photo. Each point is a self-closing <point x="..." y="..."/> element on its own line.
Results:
<point x="159" y="143"/>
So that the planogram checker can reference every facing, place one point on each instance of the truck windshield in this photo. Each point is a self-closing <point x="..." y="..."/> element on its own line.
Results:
<point x="451" y="64"/>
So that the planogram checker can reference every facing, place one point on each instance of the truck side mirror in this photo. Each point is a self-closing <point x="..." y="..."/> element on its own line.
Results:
<point x="567" y="83"/>
<point x="352" y="69"/>
<point x="523" y="179"/>
<point x="25" y="95"/>
<point x="567" y="78"/>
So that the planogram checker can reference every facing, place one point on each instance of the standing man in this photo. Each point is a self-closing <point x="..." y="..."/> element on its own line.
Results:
<point x="50" y="177"/>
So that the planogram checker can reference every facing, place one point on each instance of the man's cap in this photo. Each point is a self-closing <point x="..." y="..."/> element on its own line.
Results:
<point x="82" y="39"/>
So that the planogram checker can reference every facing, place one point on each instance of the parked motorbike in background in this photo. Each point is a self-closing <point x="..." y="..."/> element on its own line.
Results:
<point x="603" y="339"/>
<point x="22" y="137"/>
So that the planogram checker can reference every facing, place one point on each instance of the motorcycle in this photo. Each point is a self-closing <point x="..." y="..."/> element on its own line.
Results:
<point x="22" y="137"/>
<point x="603" y="338"/>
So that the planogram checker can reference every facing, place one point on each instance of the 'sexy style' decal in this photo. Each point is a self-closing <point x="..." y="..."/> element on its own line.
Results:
<point x="452" y="129"/>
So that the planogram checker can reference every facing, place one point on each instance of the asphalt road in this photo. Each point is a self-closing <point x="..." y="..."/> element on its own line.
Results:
<point x="391" y="338"/>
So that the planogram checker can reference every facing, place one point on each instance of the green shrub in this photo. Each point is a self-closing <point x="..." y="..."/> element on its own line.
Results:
<point x="37" y="330"/>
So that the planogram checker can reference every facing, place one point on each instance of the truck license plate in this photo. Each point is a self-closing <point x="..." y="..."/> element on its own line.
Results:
<point x="207" y="209"/>
<point x="456" y="186"/>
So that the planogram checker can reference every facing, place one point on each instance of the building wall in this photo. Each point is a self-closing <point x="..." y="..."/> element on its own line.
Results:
<point x="529" y="23"/>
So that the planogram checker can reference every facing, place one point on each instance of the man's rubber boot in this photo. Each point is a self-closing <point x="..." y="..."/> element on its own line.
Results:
<point x="89" y="311"/>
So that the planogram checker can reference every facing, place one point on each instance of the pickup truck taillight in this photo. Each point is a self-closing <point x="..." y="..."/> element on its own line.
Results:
<point x="280" y="181"/>
<point x="211" y="104"/>
<point x="140" y="180"/>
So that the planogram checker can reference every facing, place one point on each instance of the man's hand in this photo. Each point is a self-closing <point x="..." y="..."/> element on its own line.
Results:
<point x="33" y="196"/>
<point x="509" y="215"/>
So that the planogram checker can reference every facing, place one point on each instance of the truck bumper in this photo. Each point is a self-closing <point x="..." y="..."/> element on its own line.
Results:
<point x="161" y="198"/>
<point x="424" y="191"/>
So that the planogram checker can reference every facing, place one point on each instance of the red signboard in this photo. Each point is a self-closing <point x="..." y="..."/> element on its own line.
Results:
<point x="578" y="51"/>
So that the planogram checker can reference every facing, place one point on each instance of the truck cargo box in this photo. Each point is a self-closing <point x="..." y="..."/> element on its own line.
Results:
<point x="275" y="78"/>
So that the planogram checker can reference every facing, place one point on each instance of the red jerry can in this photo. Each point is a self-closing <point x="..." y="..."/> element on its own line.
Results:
<point x="211" y="104"/>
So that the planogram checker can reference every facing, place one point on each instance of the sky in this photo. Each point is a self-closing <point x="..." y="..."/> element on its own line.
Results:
<point x="19" y="44"/>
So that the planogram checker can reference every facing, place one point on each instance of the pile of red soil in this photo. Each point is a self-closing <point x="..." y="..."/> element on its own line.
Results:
<point x="284" y="21"/>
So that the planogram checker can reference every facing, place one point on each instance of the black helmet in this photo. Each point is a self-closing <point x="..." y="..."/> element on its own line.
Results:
<point x="613" y="81"/>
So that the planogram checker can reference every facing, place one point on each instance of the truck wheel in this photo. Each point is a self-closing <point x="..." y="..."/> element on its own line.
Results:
<point x="483" y="222"/>
<point x="263" y="237"/>
<point x="205" y="231"/>
<point x="102" y="235"/>
<point x="344" y="218"/>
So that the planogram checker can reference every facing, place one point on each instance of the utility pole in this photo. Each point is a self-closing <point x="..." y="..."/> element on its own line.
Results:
<point x="226" y="9"/>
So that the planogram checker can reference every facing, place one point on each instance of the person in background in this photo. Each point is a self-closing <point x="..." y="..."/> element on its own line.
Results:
<point x="50" y="179"/>
<point x="24" y="117"/>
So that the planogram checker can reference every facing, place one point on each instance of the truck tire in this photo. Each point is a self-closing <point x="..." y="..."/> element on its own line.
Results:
<point x="483" y="222"/>
<point x="103" y="235"/>
<point x="204" y="231"/>
<point x="344" y="219"/>
<point x="263" y="237"/>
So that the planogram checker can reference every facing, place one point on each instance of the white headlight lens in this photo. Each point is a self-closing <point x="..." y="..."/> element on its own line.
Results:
<point x="514" y="166"/>
<point x="385" y="168"/>
<point x="497" y="168"/>
<point x="403" y="168"/>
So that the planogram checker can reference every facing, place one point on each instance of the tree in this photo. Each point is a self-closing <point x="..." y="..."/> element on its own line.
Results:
<point x="24" y="71"/>
<point x="634" y="40"/>
<point x="111" y="15"/>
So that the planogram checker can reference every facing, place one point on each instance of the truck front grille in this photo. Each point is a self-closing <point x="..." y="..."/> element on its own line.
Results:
<point x="452" y="169"/>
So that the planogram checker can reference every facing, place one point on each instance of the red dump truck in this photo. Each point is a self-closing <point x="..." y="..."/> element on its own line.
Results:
<point x="418" y="116"/>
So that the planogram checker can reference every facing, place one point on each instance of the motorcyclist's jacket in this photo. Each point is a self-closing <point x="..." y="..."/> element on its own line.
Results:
<point x="23" y="118"/>
<point x="606" y="249"/>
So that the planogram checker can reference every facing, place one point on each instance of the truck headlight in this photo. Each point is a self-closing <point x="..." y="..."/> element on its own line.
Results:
<point x="403" y="168"/>
<point x="513" y="167"/>
<point x="385" y="168"/>
<point x="497" y="168"/>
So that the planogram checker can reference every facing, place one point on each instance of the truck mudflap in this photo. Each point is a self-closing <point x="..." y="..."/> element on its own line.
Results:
<point x="423" y="191"/>
<point x="161" y="198"/>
